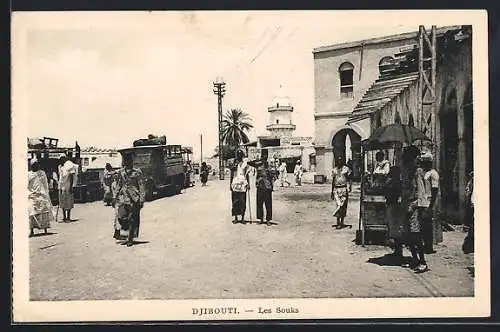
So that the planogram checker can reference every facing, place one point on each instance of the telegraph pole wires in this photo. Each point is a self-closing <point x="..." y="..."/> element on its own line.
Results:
<point x="219" y="91"/>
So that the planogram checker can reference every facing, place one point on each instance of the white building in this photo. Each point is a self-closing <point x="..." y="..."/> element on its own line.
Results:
<point x="280" y="141"/>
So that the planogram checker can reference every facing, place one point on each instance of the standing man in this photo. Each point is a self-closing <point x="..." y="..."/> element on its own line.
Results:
<point x="107" y="181"/>
<point x="128" y="198"/>
<point x="264" y="185"/>
<point x="298" y="173"/>
<point x="413" y="201"/>
<point x="431" y="181"/>
<point x="66" y="183"/>
<point x="339" y="192"/>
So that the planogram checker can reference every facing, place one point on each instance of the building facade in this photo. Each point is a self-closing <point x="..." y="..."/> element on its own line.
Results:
<point x="342" y="75"/>
<point x="96" y="158"/>
<point x="392" y="90"/>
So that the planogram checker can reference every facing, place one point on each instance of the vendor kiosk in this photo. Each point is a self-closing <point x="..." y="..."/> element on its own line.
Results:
<point x="372" y="216"/>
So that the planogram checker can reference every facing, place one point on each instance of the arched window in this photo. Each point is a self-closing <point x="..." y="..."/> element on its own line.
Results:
<point x="378" y="120"/>
<point x="346" y="73"/>
<point x="277" y="121"/>
<point x="385" y="64"/>
<point x="411" y="122"/>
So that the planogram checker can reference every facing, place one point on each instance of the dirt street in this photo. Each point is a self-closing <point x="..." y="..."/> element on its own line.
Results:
<point x="188" y="248"/>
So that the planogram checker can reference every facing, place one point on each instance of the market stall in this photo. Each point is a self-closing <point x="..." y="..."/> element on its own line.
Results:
<point x="381" y="151"/>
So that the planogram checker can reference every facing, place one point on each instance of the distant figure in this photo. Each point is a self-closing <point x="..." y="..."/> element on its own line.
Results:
<point x="128" y="199"/>
<point x="382" y="166"/>
<point x="204" y="173"/>
<point x="264" y="184"/>
<point x="40" y="207"/>
<point x="283" y="174"/>
<point x="380" y="172"/>
<point x="298" y="171"/>
<point x="66" y="183"/>
<point x="339" y="191"/>
<point x="239" y="184"/>
<point x="107" y="182"/>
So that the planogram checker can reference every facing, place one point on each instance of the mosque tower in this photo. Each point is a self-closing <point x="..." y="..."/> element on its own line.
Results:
<point x="280" y="116"/>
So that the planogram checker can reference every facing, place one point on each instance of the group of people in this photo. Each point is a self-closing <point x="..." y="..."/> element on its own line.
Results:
<point x="411" y="193"/>
<point x="41" y="211"/>
<point x="265" y="177"/>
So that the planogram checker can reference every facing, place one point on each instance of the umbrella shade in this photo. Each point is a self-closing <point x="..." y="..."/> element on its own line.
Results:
<point x="398" y="133"/>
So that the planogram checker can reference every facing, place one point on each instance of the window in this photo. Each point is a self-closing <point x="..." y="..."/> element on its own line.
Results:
<point x="411" y="122"/>
<point x="85" y="161"/>
<point x="397" y="118"/>
<point x="385" y="64"/>
<point x="346" y="73"/>
<point x="277" y="121"/>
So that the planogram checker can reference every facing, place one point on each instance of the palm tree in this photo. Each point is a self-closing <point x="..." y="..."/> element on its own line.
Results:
<point x="235" y="124"/>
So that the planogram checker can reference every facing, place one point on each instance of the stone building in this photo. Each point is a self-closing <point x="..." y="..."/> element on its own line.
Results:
<point x="342" y="75"/>
<point x="394" y="96"/>
<point x="96" y="158"/>
<point x="280" y="141"/>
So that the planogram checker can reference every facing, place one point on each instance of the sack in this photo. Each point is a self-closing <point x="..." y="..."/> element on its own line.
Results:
<point x="239" y="184"/>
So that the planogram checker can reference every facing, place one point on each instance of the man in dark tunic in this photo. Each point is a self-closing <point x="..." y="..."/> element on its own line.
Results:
<point x="128" y="198"/>
<point x="264" y="185"/>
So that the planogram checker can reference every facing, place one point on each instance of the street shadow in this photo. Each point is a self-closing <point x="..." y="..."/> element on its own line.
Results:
<point x="43" y="234"/>
<point x="133" y="243"/>
<point x="342" y="227"/>
<point x="257" y="222"/>
<point x="301" y="196"/>
<point x="388" y="260"/>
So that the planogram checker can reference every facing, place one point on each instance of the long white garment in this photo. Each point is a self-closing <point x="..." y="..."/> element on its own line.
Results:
<point x="67" y="171"/>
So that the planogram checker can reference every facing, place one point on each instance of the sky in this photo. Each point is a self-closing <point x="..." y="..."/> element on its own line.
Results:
<point x="106" y="86"/>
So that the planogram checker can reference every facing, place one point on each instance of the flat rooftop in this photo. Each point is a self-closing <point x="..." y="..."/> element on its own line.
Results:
<point x="380" y="40"/>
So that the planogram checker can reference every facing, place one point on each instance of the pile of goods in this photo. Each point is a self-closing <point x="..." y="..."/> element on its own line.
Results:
<point x="151" y="140"/>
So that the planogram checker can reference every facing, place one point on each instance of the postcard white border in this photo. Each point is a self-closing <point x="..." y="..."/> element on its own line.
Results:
<point x="67" y="311"/>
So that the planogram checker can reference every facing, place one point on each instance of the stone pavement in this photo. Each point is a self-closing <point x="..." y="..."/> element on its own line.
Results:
<point x="188" y="248"/>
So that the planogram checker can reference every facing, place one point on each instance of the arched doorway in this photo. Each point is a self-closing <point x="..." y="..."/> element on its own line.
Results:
<point x="347" y="144"/>
<point x="449" y="153"/>
<point x="468" y="135"/>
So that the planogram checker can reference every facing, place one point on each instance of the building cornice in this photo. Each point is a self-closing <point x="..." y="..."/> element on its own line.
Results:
<point x="379" y="40"/>
<point x="332" y="115"/>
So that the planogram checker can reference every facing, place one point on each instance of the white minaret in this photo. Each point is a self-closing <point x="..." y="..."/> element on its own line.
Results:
<point x="280" y="116"/>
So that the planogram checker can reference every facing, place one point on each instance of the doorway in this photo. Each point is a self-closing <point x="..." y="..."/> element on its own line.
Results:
<point x="449" y="152"/>
<point x="347" y="145"/>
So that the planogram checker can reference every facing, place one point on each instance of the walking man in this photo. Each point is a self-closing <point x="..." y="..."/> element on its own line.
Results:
<point x="128" y="199"/>
<point x="283" y="174"/>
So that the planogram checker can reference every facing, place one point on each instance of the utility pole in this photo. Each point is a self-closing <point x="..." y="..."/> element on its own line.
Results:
<point x="201" y="148"/>
<point x="219" y="91"/>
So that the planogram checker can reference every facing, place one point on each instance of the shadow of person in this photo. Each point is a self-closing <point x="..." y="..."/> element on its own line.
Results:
<point x="43" y="234"/>
<point x="134" y="242"/>
<point x="388" y="260"/>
